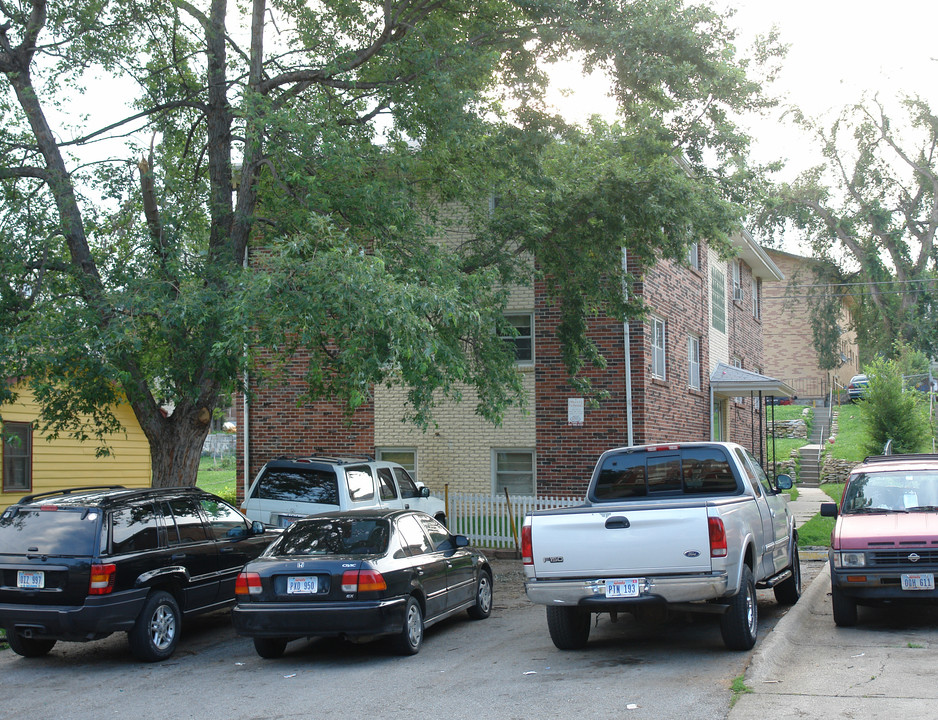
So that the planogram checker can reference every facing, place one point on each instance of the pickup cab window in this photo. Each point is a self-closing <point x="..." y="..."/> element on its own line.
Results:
<point x="386" y="484"/>
<point x="361" y="486"/>
<point x="692" y="471"/>
<point x="406" y="483"/>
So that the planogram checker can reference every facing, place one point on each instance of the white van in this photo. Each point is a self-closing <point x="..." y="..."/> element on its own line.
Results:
<point x="287" y="489"/>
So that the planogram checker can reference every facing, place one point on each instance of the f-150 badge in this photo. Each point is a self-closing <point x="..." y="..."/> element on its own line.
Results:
<point x="554" y="559"/>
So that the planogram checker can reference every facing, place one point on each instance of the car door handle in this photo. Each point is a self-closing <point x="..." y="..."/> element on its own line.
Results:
<point x="226" y="549"/>
<point x="420" y="571"/>
<point x="407" y="506"/>
<point x="177" y="556"/>
<point x="617" y="523"/>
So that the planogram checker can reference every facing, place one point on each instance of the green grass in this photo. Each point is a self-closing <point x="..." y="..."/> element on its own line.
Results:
<point x="218" y="476"/>
<point x="817" y="531"/>
<point x="739" y="687"/>
<point x="848" y="445"/>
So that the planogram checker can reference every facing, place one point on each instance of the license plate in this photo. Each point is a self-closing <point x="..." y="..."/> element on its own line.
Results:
<point x="288" y="520"/>
<point x="624" y="587"/>
<point x="301" y="585"/>
<point x="30" y="580"/>
<point x="924" y="581"/>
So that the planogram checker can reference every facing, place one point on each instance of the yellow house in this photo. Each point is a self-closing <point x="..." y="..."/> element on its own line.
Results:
<point x="31" y="464"/>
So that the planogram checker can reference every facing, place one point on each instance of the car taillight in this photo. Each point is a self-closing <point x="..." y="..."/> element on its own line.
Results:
<point x="362" y="581"/>
<point x="717" y="537"/>
<point x="102" y="579"/>
<point x="248" y="583"/>
<point x="527" y="552"/>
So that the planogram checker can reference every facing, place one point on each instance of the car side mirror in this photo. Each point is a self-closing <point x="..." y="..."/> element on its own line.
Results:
<point x="461" y="541"/>
<point x="258" y="528"/>
<point x="784" y="482"/>
<point x="829" y="509"/>
<point x="424" y="491"/>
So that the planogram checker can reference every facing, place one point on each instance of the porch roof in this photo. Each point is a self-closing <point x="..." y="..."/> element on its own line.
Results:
<point x="729" y="381"/>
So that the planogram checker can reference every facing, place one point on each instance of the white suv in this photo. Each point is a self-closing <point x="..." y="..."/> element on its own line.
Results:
<point x="290" y="488"/>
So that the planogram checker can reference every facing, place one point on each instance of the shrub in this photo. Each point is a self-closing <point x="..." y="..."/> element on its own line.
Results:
<point x="890" y="412"/>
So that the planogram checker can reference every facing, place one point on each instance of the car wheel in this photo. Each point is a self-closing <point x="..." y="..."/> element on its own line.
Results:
<point x="270" y="648"/>
<point x="410" y="638"/>
<point x="483" y="607"/>
<point x="844" y="607"/>
<point x="28" y="647"/>
<point x="155" y="634"/>
<point x="788" y="592"/>
<point x="569" y="627"/>
<point x="740" y="624"/>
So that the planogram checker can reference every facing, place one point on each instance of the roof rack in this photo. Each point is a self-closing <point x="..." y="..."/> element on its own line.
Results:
<point x="69" y="491"/>
<point x="326" y="458"/>
<point x="908" y="456"/>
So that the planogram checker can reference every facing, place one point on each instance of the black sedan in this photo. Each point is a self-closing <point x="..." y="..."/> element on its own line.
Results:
<point x="359" y="575"/>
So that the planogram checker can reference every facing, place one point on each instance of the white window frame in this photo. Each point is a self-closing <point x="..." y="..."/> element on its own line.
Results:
<point x="693" y="362"/>
<point x="499" y="490"/>
<point x="514" y="338"/>
<point x="718" y="300"/>
<point x="756" y="297"/>
<point x="380" y="452"/>
<point x="737" y="276"/>
<point x="659" y="348"/>
<point x="693" y="255"/>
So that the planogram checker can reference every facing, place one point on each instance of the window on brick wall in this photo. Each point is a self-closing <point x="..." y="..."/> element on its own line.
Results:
<point x="658" y="348"/>
<point x="405" y="457"/>
<point x="737" y="272"/>
<point x="693" y="362"/>
<point x="523" y="341"/>
<point x="513" y="469"/>
<point x="718" y="300"/>
<point x="756" y="298"/>
<point x="693" y="255"/>
<point x="17" y="456"/>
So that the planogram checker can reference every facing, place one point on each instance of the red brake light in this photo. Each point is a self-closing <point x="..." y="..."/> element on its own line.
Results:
<point x="363" y="581"/>
<point x="248" y="583"/>
<point x="527" y="551"/>
<point x="49" y="508"/>
<point x="658" y="448"/>
<point x="102" y="579"/>
<point x="717" y="537"/>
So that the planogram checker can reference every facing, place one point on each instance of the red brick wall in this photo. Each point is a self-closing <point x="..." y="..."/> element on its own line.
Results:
<point x="279" y="425"/>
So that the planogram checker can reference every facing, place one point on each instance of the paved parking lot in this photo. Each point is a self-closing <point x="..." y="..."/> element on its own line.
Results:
<point x="503" y="667"/>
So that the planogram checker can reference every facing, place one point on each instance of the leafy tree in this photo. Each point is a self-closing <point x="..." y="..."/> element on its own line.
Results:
<point x="874" y="205"/>
<point x="890" y="411"/>
<point x="286" y="171"/>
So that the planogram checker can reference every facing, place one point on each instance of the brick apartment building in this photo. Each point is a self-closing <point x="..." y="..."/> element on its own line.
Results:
<point x="789" y="347"/>
<point x="691" y="370"/>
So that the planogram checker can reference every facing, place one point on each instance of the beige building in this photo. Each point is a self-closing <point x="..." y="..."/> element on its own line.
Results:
<point x="788" y="339"/>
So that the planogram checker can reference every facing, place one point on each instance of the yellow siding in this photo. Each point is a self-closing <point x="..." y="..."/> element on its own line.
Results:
<point x="66" y="462"/>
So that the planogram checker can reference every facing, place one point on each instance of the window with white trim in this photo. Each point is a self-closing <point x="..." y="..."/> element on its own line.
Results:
<point x="693" y="255"/>
<point x="523" y="341"/>
<point x="513" y="469"/>
<point x="737" y="280"/>
<point x="693" y="362"/>
<point x="405" y="457"/>
<point x="658" y="348"/>
<point x="756" y="297"/>
<point x="718" y="300"/>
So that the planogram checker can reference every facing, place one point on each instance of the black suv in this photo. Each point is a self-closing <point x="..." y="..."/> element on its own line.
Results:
<point x="81" y="564"/>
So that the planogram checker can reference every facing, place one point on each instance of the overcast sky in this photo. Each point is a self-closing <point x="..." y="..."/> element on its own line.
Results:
<point x="839" y="51"/>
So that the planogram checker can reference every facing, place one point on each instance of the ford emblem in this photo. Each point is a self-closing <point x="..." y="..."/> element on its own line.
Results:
<point x="692" y="554"/>
<point x="914" y="557"/>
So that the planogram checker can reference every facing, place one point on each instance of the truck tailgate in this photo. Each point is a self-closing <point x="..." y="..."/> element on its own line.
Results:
<point x="621" y="542"/>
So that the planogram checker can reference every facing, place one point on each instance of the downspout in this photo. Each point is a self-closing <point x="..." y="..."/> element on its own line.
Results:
<point x="628" y="359"/>
<point x="245" y="433"/>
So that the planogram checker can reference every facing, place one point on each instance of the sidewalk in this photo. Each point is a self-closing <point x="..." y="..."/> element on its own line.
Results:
<point x="806" y="507"/>
<point x="885" y="667"/>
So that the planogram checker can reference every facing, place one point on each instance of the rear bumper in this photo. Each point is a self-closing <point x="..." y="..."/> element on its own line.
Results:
<point x="97" y="617"/>
<point x="592" y="592"/>
<point x="379" y="617"/>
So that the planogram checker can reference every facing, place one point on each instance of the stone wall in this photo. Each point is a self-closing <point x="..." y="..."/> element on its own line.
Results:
<point x="791" y="429"/>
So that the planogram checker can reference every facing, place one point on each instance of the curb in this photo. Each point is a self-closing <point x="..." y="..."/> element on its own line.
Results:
<point x="777" y="648"/>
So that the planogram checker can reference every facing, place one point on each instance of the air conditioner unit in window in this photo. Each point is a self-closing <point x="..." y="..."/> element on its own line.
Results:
<point x="738" y="294"/>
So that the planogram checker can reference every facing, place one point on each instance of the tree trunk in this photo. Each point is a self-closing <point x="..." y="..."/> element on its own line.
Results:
<point x="176" y="447"/>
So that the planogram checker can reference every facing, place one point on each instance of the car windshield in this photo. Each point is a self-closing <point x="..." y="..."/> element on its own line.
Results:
<point x="896" y="491"/>
<point x="333" y="536"/>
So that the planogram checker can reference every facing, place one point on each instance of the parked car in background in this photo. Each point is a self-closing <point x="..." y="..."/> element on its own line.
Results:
<point x="360" y="575"/>
<point x="857" y="386"/>
<point x="84" y="563"/>
<point x="287" y="489"/>
<point x="884" y="547"/>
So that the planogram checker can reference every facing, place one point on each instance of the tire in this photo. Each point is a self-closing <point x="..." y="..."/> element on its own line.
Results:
<point x="28" y="647"/>
<point x="155" y="634"/>
<point x="270" y="648"/>
<point x="483" y="607"/>
<point x="844" y="607"/>
<point x="788" y="592"/>
<point x="569" y="627"/>
<point x="410" y="638"/>
<point x="740" y="624"/>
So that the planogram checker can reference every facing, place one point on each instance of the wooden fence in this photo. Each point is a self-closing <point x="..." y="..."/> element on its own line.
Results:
<point x="486" y="519"/>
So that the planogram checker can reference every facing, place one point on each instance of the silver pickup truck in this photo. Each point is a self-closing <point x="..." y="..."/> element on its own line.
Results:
<point x="692" y="527"/>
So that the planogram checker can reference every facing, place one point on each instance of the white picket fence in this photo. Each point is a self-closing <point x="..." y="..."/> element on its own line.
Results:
<point x="486" y="520"/>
